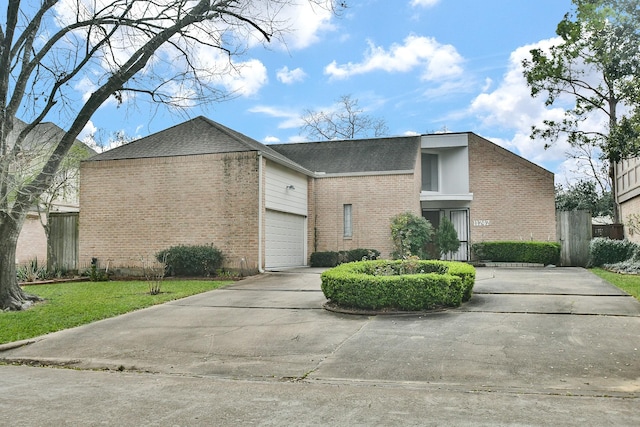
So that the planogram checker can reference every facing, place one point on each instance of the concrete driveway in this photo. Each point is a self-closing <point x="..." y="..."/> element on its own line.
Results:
<point x="533" y="347"/>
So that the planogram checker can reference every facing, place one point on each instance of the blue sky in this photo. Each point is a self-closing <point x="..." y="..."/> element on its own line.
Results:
<point x="421" y="65"/>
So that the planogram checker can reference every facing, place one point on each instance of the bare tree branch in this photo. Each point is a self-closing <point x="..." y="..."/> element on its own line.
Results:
<point x="345" y="121"/>
<point x="122" y="47"/>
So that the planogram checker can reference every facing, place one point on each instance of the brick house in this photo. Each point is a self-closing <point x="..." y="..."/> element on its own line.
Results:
<point x="269" y="206"/>
<point x="64" y="201"/>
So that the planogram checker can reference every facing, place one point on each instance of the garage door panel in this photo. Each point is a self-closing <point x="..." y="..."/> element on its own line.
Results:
<point x="285" y="236"/>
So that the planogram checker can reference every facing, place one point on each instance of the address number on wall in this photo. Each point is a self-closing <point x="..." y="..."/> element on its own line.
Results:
<point x="481" y="222"/>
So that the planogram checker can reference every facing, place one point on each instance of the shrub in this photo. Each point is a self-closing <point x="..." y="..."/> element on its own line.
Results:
<point x="630" y="266"/>
<point x="447" y="237"/>
<point x="410" y="234"/>
<point x="31" y="272"/>
<point x="196" y="260"/>
<point x="323" y="259"/>
<point x="603" y="250"/>
<point x="332" y="259"/>
<point x="95" y="273"/>
<point x="522" y="251"/>
<point x="372" y="284"/>
<point x="362" y="254"/>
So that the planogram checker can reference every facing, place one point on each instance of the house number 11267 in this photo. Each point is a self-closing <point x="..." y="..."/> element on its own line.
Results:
<point x="481" y="222"/>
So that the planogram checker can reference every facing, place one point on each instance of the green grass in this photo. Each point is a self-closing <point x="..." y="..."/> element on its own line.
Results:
<point x="72" y="304"/>
<point x="629" y="283"/>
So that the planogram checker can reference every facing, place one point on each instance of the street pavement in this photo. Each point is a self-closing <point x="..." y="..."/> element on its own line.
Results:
<point x="534" y="346"/>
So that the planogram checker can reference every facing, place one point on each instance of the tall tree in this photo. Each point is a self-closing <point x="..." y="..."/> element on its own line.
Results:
<point x="346" y="121"/>
<point x="596" y="65"/>
<point x="123" y="49"/>
<point x="584" y="195"/>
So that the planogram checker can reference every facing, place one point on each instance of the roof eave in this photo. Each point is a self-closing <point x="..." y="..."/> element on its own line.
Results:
<point x="290" y="164"/>
<point x="320" y="174"/>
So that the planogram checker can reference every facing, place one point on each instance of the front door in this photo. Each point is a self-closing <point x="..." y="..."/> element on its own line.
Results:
<point x="460" y="220"/>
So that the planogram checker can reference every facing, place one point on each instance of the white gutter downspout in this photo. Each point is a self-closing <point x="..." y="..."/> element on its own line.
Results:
<point x="260" y="206"/>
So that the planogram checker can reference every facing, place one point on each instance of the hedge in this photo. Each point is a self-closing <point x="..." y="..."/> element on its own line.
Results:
<point x="603" y="250"/>
<point x="401" y="285"/>
<point x="521" y="251"/>
<point x="331" y="258"/>
<point x="195" y="260"/>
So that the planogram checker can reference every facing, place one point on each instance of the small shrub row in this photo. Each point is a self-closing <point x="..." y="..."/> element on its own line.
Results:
<point x="331" y="258"/>
<point x="603" y="250"/>
<point x="33" y="272"/>
<point x="372" y="285"/>
<point x="194" y="261"/>
<point x="531" y="252"/>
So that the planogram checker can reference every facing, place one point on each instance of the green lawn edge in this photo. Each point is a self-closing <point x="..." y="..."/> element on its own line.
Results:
<point x="67" y="305"/>
<point x="630" y="283"/>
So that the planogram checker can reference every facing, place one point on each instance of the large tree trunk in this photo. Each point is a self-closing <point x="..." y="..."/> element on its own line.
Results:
<point x="614" y="191"/>
<point x="12" y="297"/>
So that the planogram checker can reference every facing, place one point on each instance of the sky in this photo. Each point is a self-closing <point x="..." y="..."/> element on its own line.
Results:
<point x="423" y="66"/>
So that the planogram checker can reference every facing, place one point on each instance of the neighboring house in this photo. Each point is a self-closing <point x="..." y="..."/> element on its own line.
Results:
<point x="62" y="198"/>
<point x="627" y="173"/>
<point x="271" y="206"/>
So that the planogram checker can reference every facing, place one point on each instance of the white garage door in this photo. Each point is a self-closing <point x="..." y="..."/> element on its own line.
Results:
<point x="284" y="239"/>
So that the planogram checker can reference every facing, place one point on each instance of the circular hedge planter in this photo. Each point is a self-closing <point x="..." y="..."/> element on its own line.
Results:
<point x="403" y="285"/>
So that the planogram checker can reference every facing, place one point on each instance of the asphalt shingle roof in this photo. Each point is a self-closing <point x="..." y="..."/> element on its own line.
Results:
<point x="355" y="155"/>
<point x="203" y="136"/>
<point x="196" y="136"/>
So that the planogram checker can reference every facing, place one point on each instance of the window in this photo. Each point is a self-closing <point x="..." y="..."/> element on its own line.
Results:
<point x="429" y="172"/>
<point x="348" y="225"/>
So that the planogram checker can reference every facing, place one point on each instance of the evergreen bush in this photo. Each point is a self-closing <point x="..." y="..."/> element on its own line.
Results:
<point x="323" y="259"/>
<point x="603" y="250"/>
<point x="447" y="238"/>
<point x="384" y="284"/>
<point x="410" y="234"/>
<point x="332" y="259"/>
<point x="194" y="260"/>
<point x="521" y="251"/>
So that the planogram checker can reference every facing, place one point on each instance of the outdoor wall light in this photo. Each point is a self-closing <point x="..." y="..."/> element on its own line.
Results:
<point x="290" y="187"/>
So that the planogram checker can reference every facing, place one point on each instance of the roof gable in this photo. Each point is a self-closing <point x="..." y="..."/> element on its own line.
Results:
<point x="196" y="136"/>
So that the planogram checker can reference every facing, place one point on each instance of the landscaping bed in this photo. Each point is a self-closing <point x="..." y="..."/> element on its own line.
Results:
<point x="400" y="285"/>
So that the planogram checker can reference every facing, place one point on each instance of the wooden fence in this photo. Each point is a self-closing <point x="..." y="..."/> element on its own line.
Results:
<point x="573" y="229"/>
<point x="63" y="241"/>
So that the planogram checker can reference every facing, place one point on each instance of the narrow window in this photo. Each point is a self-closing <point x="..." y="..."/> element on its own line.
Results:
<point x="429" y="172"/>
<point x="348" y="225"/>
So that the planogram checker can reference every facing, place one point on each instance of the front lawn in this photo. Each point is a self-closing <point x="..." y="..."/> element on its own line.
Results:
<point x="72" y="304"/>
<point x="630" y="283"/>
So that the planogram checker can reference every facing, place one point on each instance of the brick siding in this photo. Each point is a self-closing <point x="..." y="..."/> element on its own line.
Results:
<point x="513" y="199"/>
<point x="628" y="208"/>
<point x="134" y="208"/>
<point x="375" y="200"/>
<point x="32" y="242"/>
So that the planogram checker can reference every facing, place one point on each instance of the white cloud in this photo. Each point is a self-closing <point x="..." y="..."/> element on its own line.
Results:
<point x="251" y="77"/>
<point x="487" y="84"/>
<point x="287" y="76"/>
<point x="297" y="138"/>
<point x="86" y="87"/>
<point x="271" y="140"/>
<point x="306" y="21"/>
<point x="86" y="134"/>
<point x="424" y="3"/>
<point x="510" y="106"/>
<point x="436" y="60"/>
<point x="291" y="119"/>
<point x="242" y="78"/>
